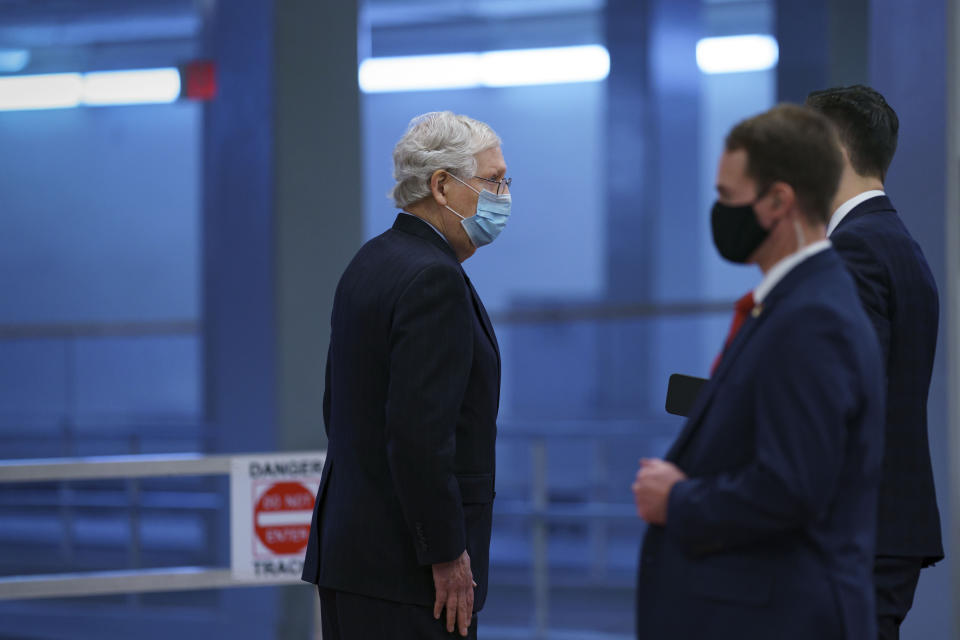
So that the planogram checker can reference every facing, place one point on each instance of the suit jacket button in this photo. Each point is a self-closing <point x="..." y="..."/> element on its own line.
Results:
<point x="421" y="538"/>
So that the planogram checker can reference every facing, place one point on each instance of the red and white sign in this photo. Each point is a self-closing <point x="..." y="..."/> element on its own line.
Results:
<point x="271" y="505"/>
<point x="281" y="518"/>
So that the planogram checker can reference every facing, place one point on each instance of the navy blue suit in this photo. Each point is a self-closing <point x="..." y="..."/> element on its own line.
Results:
<point x="410" y="408"/>
<point x="772" y="534"/>
<point x="900" y="297"/>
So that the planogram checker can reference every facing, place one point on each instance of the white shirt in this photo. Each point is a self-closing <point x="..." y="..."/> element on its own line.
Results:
<point x="779" y="271"/>
<point x="428" y="224"/>
<point x="849" y="206"/>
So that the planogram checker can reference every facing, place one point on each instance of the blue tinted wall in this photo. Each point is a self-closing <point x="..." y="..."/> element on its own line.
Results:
<point x="100" y="214"/>
<point x="99" y="224"/>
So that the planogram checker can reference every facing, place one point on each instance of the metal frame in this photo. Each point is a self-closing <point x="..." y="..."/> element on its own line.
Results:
<point x="114" y="467"/>
<point x="538" y="510"/>
<point x="98" y="330"/>
<point x="118" y="582"/>
<point x="193" y="578"/>
<point x="952" y="311"/>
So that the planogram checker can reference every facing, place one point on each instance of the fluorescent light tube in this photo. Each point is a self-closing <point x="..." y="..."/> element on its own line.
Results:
<point x="47" y="91"/>
<point x="95" y="89"/>
<point x="420" y="73"/>
<point x="142" y="86"/>
<point x="590" y="63"/>
<point x="734" y="54"/>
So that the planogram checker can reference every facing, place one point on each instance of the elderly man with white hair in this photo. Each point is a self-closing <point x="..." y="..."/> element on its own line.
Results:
<point x="400" y="539"/>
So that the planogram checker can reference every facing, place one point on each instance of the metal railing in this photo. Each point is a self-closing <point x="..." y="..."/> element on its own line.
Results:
<point x="126" y="581"/>
<point x="537" y="508"/>
<point x="596" y="511"/>
<point x="605" y="312"/>
<point x="548" y="313"/>
<point x="174" y="327"/>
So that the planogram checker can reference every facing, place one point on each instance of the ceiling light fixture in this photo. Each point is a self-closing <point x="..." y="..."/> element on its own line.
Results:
<point x="511" y="68"/>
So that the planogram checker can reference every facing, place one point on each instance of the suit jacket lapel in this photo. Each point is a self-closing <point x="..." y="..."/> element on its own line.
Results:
<point x="706" y="396"/>
<point x="413" y="225"/>
<point x="782" y="289"/>
<point x="484" y="319"/>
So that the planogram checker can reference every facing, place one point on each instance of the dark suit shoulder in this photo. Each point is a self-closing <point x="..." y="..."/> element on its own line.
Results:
<point x="878" y="242"/>
<point x="414" y="252"/>
<point x="881" y="226"/>
<point x="826" y="312"/>
<point x="821" y="296"/>
<point x="392" y="260"/>
<point x="877" y="226"/>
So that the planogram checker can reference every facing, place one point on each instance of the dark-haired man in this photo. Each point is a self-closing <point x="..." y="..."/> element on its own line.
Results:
<point x="763" y="517"/>
<point x="900" y="296"/>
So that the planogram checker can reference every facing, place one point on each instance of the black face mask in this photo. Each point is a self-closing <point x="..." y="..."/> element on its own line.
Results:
<point x="736" y="232"/>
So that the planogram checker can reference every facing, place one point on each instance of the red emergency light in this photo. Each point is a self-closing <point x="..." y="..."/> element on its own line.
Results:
<point x="199" y="80"/>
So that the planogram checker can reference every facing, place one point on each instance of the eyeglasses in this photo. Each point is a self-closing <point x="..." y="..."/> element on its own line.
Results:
<point x="502" y="185"/>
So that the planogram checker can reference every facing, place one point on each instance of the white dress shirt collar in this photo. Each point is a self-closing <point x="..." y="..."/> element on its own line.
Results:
<point x="780" y="270"/>
<point x="849" y="206"/>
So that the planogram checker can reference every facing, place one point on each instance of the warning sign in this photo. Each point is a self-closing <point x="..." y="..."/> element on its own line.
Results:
<point x="271" y="503"/>
<point x="282" y="516"/>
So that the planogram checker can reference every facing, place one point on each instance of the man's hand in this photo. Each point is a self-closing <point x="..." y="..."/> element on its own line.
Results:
<point x="651" y="489"/>
<point x="454" y="585"/>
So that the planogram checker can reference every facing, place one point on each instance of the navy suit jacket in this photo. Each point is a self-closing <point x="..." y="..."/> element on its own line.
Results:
<point x="900" y="297"/>
<point x="772" y="534"/>
<point x="410" y="408"/>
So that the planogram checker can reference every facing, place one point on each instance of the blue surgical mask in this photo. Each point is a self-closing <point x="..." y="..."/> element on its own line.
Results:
<point x="491" y="217"/>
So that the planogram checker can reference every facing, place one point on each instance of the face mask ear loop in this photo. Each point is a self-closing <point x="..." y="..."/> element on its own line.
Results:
<point x="800" y="237"/>
<point x="454" y="212"/>
<point x="464" y="184"/>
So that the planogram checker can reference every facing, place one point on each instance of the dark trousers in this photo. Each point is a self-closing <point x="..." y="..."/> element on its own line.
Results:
<point x="348" y="616"/>
<point x="895" y="580"/>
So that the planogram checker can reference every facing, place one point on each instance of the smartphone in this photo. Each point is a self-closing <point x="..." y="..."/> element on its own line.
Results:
<point x="682" y="392"/>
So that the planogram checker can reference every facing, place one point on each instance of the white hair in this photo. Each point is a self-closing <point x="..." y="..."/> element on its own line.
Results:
<point x="437" y="140"/>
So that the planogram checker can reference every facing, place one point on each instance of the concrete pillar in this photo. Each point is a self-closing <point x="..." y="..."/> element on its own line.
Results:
<point x="631" y="122"/>
<point x="319" y="220"/>
<point x="901" y="49"/>
<point x="319" y="212"/>
<point x="951" y="303"/>
<point x="238" y="265"/>
<point x="282" y="215"/>
<point x="823" y="43"/>
<point x="908" y="65"/>
<point x="652" y="184"/>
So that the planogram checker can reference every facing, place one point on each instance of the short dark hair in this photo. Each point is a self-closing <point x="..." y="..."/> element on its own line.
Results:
<point x="866" y="124"/>
<point x="796" y="145"/>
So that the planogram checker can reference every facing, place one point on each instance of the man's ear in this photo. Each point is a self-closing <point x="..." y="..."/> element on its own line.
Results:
<point x="844" y="153"/>
<point x="438" y="186"/>
<point x="782" y="195"/>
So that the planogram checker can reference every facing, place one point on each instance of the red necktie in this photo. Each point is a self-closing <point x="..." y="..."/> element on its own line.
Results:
<point x="741" y="310"/>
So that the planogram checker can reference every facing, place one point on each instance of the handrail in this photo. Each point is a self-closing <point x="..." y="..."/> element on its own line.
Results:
<point x="177" y="326"/>
<point x="122" y="581"/>
<point x="538" y="508"/>
<point x="101" y="583"/>
<point x="112" y="467"/>
<point x="559" y="313"/>
<point x="552" y="313"/>
<point x="587" y="427"/>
